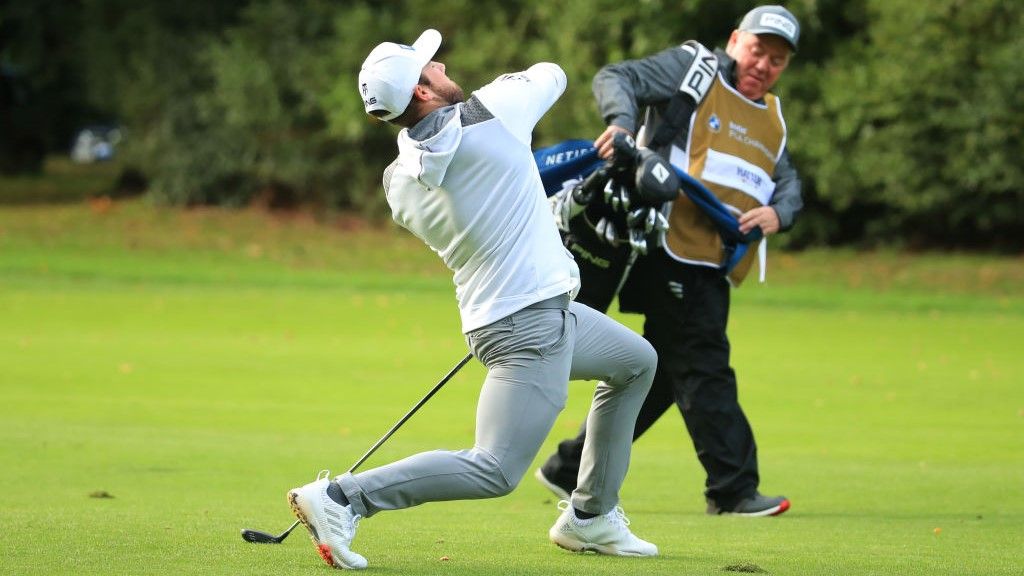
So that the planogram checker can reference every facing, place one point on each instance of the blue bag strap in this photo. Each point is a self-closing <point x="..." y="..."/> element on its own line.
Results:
<point x="566" y="160"/>
<point x="735" y="242"/>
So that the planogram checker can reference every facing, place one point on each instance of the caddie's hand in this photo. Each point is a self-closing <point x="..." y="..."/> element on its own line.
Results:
<point x="763" y="217"/>
<point x="604" y="141"/>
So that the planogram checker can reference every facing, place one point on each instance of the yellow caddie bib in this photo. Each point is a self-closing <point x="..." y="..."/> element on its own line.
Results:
<point x="733" y="146"/>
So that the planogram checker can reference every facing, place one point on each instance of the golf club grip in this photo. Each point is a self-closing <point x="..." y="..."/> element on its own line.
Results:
<point x="409" y="414"/>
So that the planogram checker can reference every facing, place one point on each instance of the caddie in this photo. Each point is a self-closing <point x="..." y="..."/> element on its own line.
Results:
<point x="712" y="115"/>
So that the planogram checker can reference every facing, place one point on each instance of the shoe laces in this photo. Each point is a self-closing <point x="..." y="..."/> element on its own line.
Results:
<point x="354" y="525"/>
<point x="347" y="531"/>
<point x="617" y="517"/>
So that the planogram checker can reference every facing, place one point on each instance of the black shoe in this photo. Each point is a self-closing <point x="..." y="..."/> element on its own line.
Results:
<point x="561" y="490"/>
<point x="756" y="505"/>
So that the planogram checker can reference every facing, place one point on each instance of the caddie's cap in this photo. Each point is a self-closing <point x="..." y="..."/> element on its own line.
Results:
<point x="391" y="72"/>
<point x="772" y="20"/>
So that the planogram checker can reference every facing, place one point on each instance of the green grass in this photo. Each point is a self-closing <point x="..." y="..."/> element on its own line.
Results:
<point x="196" y="365"/>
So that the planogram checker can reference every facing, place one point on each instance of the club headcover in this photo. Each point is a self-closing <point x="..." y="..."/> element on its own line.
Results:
<point x="656" y="181"/>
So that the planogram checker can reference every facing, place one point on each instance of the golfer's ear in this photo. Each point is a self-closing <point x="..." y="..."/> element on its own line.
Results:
<point x="422" y="93"/>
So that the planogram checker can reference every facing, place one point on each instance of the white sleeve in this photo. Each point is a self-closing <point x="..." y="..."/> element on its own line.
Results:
<point x="520" y="99"/>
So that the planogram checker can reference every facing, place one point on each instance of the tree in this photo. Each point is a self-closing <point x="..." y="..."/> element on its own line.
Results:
<point x="919" y="119"/>
<point x="905" y="117"/>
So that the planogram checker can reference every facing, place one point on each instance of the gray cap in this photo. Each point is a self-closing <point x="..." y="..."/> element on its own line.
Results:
<point x="772" y="20"/>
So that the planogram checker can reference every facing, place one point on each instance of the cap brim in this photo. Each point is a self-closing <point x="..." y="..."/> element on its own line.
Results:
<point x="773" y="32"/>
<point x="427" y="44"/>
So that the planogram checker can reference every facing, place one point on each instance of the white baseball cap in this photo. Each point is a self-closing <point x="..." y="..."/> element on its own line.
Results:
<point x="391" y="72"/>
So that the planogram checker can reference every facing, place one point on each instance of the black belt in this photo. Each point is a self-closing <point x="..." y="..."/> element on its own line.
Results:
<point x="560" y="302"/>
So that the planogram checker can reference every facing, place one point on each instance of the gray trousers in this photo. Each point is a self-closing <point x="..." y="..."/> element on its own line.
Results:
<point x="530" y="355"/>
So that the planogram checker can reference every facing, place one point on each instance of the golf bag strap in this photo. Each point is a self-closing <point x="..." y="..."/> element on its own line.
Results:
<point x="734" y="242"/>
<point x="693" y="87"/>
<point x="564" y="161"/>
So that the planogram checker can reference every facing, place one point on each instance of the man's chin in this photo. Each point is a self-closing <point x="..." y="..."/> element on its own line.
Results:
<point x="752" y="89"/>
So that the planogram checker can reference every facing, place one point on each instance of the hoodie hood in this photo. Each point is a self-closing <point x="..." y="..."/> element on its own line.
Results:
<point x="427" y="148"/>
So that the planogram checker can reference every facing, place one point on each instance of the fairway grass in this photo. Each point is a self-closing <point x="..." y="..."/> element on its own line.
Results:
<point x="166" y="377"/>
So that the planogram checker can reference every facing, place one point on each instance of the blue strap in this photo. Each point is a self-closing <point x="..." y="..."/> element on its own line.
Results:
<point x="735" y="242"/>
<point x="566" y="160"/>
<point x="724" y="220"/>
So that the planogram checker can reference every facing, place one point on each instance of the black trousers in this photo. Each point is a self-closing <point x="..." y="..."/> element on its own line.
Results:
<point x="686" y="310"/>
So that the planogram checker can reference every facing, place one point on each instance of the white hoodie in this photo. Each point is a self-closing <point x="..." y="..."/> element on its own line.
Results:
<point x="465" y="182"/>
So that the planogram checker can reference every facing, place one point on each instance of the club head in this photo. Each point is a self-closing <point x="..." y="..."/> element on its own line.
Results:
<point x="257" y="537"/>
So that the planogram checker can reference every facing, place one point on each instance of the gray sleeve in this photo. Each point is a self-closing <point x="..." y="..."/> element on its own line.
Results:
<point x="388" y="173"/>
<point x="786" y="200"/>
<point x="624" y="88"/>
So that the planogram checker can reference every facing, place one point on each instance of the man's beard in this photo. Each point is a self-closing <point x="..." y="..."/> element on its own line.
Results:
<point x="450" y="93"/>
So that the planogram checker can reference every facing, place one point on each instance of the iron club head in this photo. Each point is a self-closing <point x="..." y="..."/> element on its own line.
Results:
<point x="258" y="537"/>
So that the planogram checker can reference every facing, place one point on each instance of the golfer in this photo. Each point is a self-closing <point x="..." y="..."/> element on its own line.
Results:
<point x="465" y="182"/>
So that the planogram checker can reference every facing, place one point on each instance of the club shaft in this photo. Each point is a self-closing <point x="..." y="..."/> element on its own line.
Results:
<point x="289" y="530"/>
<point x="409" y="414"/>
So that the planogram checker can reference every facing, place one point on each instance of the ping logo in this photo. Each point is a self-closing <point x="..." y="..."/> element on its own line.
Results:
<point x="700" y="76"/>
<point x="779" y="23"/>
<point x="367" y="102"/>
<point x="701" y="73"/>
<point x="660" y="173"/>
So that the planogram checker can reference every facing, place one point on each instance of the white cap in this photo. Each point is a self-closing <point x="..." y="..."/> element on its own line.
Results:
<point x="391" y="72"/>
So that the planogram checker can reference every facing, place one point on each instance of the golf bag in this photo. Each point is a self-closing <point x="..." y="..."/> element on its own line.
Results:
<point x="611" y="213"/>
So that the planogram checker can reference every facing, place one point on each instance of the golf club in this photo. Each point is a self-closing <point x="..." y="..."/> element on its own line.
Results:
<point x="260" y="537"/>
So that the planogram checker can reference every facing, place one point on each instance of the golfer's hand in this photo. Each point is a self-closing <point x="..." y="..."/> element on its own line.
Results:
<point x="564" y="207"/>
<point x="762" y="216"/>
<point x="604" y="141"/>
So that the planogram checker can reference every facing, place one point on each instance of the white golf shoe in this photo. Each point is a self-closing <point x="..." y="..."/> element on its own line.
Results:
<point x="331" y="525"/>
<point x="605" y="534"/>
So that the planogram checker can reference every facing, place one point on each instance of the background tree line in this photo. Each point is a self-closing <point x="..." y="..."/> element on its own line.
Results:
<point x="905" y="116"/>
